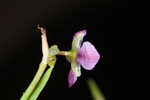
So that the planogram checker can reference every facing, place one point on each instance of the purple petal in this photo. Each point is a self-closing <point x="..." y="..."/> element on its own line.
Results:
<point x="80" y="32"/>
<point x="71" y="78"/>
<point x="77" y="39"/>
<point x="88" y="56"/>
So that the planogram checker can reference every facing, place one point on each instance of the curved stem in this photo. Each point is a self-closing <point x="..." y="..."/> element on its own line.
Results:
<point x="34" y="82"/>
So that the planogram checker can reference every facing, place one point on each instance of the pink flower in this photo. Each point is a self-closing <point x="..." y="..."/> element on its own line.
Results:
<point x="85" y="55"/>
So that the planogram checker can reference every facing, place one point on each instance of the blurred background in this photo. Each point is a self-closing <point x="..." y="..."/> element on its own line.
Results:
<point x="20" y="44"/>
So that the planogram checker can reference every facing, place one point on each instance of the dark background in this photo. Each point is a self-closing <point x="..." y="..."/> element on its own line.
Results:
<point x="20" y="44"/>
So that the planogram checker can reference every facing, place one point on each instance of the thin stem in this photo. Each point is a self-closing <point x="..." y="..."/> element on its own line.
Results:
<point x="64" y="53"/>
<point x="95" y="91"/>
<point x="42" y="65"/>
<point x="41" y="84"/>
<point x="34" y="82"/>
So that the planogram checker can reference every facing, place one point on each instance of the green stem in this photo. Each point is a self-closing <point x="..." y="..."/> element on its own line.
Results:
<point x="95" y="91"/>
<point x="41" y="84"/>
<point x="34" y="82"/>
<point x="64" y="53"/>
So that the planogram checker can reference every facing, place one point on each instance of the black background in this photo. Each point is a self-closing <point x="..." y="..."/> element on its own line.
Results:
<point x="20" y="44"/>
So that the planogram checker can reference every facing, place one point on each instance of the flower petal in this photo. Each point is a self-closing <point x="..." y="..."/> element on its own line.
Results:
<point x="71" y="79"/>
<point x="76" y="68"/>
<point x="77" y="39"/>
<point x="88" y="56"/>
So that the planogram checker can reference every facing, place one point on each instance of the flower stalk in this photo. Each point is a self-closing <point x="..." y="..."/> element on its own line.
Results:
<point x="42" y="66"/>
<point x="34" y="82"/>
<point x="64" y="53"/>
<point x="41" y="84"/>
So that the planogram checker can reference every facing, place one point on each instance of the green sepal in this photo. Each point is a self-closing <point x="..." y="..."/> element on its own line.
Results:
<point x="76" y="68"/>
<point x="53" y="50"/>
<point x="71" y="57"/>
